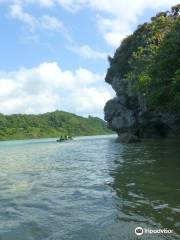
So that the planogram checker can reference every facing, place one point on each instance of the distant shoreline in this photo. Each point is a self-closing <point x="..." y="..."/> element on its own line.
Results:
<point x="50" y="137"/>
<point x="49" y="125"/>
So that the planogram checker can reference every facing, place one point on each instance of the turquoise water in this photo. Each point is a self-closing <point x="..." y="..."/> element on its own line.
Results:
<point x="91" y="188"/>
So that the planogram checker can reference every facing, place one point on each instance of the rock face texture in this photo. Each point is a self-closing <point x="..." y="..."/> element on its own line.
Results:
<point x="145" y="74"/>
<point x="127" y="114"/>
<point x="121" y="113"/>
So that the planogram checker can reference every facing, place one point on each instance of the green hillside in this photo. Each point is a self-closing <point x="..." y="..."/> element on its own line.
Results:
<point x="22" y="126"/>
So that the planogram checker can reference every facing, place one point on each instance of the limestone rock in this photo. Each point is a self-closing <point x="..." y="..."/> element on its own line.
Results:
<point x="127" y="114"/>
<point x="119" y="117"/>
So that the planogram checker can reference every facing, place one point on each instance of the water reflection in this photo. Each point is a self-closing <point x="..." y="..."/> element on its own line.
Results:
<point x="90" y="188"/>
<point x="146" y="180"/>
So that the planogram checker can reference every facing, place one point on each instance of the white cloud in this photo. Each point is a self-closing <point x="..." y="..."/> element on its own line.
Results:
<point x="46" y="3"/>
<point x="46" y="22"/>
<point x="114" y="18"/>
<point x="86" y="52"/>
<point x="51" y="23"/>
<point x="123" y="15"/>
<point x="47" y="88"/>
<point x="71" y="5"/>
<point x="17" y="12"/>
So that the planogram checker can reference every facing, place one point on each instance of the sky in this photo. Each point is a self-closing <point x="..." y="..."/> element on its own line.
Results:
<point x="54" y="52"/>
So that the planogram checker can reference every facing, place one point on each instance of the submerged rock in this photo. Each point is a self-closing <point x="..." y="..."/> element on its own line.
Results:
<point x="128" y="138"/>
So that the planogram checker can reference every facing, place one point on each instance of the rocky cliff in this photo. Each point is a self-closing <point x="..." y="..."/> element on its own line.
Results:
<point x="147" y="95"/>
<point x="127" y="114"/>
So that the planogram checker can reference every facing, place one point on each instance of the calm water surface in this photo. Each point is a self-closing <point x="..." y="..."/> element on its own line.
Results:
<point x="91" y="188"/>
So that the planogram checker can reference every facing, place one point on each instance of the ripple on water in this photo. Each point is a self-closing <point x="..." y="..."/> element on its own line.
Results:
<point x="90" y="188"/>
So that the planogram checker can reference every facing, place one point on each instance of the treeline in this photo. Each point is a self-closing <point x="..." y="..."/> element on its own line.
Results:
<point x="22" y="126"/>
<point x="150" y="58"/>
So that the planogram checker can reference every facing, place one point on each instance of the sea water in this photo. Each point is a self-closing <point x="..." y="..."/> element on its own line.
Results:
<point x="91" y="188"/>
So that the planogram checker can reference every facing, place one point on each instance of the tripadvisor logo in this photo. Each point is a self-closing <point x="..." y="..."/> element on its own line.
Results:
<point x="139" y="231"/>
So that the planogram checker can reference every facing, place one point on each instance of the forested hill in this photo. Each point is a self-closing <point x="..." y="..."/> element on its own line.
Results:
<point x="22" y="126"/>
<point x="145" y="74"/>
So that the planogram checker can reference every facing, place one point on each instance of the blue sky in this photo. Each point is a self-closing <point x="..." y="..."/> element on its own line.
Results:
<point x="54" y="52"/>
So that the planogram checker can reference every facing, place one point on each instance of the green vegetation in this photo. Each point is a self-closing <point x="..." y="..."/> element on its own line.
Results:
<point x="150" y="58"/>
<point x="21" y="126"/>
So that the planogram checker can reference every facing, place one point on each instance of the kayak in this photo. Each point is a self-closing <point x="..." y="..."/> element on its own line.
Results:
<point x="63" y="140"/>
<point x="60" y="140"/>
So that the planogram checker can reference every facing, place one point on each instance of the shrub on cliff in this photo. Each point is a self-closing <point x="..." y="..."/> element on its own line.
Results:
<point x="151" y="57"/>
